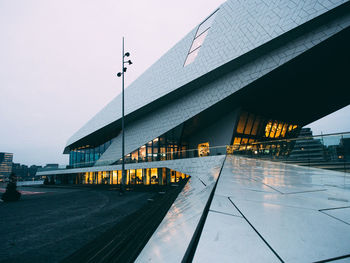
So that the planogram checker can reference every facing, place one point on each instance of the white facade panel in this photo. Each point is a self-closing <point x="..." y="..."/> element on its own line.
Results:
<point x="239" y="27"/>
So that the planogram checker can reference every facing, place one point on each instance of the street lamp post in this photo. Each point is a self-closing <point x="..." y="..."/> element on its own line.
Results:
<point x="121" y="74"/>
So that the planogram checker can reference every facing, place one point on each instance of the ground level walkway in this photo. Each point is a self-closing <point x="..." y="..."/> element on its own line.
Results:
<point x="256" y="211"/>
<point x="48" y="224"/>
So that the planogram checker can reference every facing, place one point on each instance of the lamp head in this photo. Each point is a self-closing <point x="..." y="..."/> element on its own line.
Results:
<point x="119" y="74"/>
<point x="125" y="69"/>
<point x="127" y="54"/>
<point x="129" y="61"/>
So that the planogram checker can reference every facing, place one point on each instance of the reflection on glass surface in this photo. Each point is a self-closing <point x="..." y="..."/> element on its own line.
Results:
<point x="268" y="128"/>
<point x="256" y="125"/>
<point x="87" y="155"/>
<point x="252" y="128"/>
<point x="198" y="41"/>
<point x="203" y="149"/>
<point x="159" y="176"/>
<point x="284" y="130"/>
<point x="191" y="57"/>
<point x="249" y="124"/>
<point x="206" y="23"/>
<point x="241" y="123"/>
<point x="273" y="129"/>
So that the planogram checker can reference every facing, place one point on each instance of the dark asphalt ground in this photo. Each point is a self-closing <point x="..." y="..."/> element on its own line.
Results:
<point x="48" y="227"/>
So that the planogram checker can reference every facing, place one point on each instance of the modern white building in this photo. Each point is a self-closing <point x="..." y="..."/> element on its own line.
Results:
<point x="252" y="71"/>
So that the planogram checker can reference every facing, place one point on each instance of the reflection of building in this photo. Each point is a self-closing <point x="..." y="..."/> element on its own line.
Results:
<point x="245" y="74"/>
<point x="5" y="165"/>
<point x="308" y="148"/>
<point x="345" y="148"/>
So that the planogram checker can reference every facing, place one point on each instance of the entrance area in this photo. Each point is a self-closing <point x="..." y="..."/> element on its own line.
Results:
<point x="147" y="176"/>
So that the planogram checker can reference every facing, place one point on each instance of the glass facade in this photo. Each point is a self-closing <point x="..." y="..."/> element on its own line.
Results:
<point x="252" y="129"/>
<point x="165" y="147"/>
<point x="203" y="149"/>
<point x="87" y="155"/>
<point x="146" y="176"/>
<point x="199" y="38"/>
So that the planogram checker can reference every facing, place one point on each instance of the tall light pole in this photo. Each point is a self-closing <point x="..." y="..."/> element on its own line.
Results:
<point x="121" y="74"/>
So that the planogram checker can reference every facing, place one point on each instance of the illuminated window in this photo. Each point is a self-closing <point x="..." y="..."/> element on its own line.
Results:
<point x="241" y="123"/>
<point x="244" y="141"/>
<point x="268" y="128"/>
<point x="139" y="176"/>
<point x="203" y="149"/>
<point x="256" y="125"/>
<point x="279" y="130"/>
<point x="284" y="130"/>
<point x="143" y="152"/>
<point x="154" y="176"/>
<point x="173" y="176"/>
<point x="249" y="124"/>
<point x="237" y="140"/>
<point x="115" y="177"/>
<point x="199" y="38"/>
<point x="273" y="130"/>
<point x="134" y="155"/>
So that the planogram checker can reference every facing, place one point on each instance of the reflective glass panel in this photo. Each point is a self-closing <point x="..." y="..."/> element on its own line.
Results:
<point x="241" y="123"/>
<point x="249" y="124"/>
<point x="139" y="176"/>
<point x="134" y="155"/>
<point x="237" y="140"/>
<point x="191" y="57"/>
<point x="206" y="24"/>
<point x="198" y="41"/>
<point x="203" y="149"/>
<point x="143" y="152"/>
<point x="279" y="130"/>
<point x="268" y="128"/>
<point x="273" y="129"/>
<point x="284" y="130"/>
<point x="154" y="176"/>
<point x="256" y="125"/>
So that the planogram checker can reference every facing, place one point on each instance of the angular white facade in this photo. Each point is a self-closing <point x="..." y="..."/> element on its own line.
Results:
<point x="253" y="71"/>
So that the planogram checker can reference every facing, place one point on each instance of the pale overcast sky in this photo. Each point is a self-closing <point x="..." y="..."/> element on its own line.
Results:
<point x="59" y="59"/>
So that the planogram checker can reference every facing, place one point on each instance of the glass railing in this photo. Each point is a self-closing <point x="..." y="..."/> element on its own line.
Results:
<point x="330" y="151"/>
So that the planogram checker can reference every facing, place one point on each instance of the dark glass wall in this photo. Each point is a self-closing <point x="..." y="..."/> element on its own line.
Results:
<point x="264" y="135"/>
<point x="165" y="147"/>
<point x="87" y="155"/>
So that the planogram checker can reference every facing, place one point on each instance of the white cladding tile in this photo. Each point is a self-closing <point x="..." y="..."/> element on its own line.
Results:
<point x="170" y="240"/>
<point x="239" y="27"/>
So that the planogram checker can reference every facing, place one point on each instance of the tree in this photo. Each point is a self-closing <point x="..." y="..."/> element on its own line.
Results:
<point x="11" y="193"/>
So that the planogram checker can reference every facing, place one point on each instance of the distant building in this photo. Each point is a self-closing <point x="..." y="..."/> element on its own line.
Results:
<point x="51" y="166"/>
<point x="5" y="165"/>
<point x="345" y="148"/>
<point x="48" y="167"/>
<point x="23" y="172"/>
<point x="307" y="147"/>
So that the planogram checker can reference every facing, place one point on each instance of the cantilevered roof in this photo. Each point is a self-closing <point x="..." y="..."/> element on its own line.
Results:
<point x="239" y="27"/>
